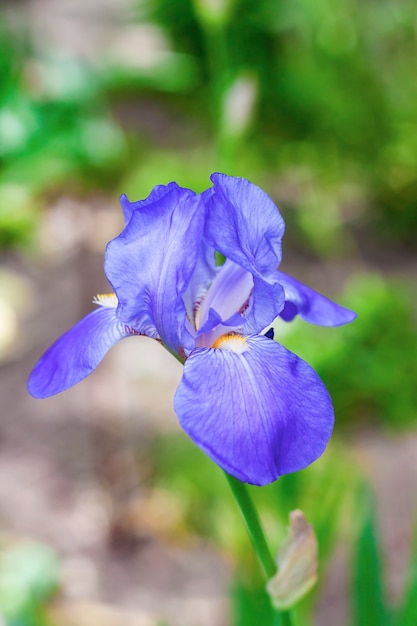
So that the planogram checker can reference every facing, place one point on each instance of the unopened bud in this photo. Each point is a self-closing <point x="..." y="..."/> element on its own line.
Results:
<point x="297" y="564"/>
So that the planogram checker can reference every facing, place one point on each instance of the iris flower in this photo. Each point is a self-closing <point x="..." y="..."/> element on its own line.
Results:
<point x="255" y="408"/>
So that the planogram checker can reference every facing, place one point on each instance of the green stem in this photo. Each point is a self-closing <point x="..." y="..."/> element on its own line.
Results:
<point x="220" y="75"/>
<point x="257" y="537"/>
<point x="253" y="524"/>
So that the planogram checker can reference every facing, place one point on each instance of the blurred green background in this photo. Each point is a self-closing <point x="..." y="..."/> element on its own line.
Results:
<point x="316" y="102"/>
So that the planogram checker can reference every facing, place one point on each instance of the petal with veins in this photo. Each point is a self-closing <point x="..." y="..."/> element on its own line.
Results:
<point x="151" y="262"/>
<point x="244" y="224"/>
<point x="255" y="408"/>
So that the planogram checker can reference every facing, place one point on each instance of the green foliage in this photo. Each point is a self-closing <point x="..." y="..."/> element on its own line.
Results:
<point x="408" y="611"/>
<point x="369" y="601"/>
<point x="53" y="117"/>
<point x="335" y="77"/>
<point x="367" y="589"/>
<point x="326" y="492"/>
<point x="250" y="603"/>
<point x="333" y="108"/>
<point x="368" y="597"/>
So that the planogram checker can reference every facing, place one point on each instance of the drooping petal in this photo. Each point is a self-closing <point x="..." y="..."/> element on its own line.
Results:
<point x="151" y="262"/>
<point x="255" y="408"/>
<point x="157" y="192"/>
<point x="310" y="305"/>
<point x="244" y="224"/>
<point x="77" y="353"/>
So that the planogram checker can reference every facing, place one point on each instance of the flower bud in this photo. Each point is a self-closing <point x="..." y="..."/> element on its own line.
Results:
<point x="297" y="564"/>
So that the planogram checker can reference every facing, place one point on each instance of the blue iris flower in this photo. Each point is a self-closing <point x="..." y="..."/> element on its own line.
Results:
<point x="258" y="410"/>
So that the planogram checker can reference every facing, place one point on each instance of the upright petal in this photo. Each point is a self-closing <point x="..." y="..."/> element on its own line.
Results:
<point x="255" y="408"/>
<point x="151" y="262"/>
<point x="228" y="293"/>
<point x="310" y="305"/>
<point x="77" y="353"/>
<point x="244" y="224"/>
<point x="156" y="194"/>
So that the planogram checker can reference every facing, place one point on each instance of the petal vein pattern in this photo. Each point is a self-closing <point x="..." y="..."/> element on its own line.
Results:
<point x="261" y="413"/>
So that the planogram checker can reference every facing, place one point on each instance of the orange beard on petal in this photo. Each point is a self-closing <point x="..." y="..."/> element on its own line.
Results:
<point x="231" y="341"/>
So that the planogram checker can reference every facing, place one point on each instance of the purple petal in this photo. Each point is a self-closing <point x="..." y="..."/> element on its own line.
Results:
<point x="215" y="326"/>
<point x="203" y="275"/>
<point x="214" y="320"/>
<point x="151" y="262"/>
<point x="265" y="305"/>
<point x="228" y="293"/>
<point x="157" y="192"/>
<point x="235" y="290"/>
<point x="255" y="408"/>
<point x="244" y="224"/>
<point x="310" y="305"/>
<point x="77" y="353"/>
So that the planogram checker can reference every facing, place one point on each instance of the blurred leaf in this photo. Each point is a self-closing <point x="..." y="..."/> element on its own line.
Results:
<point x="408" y="613"/>
<point x="250" y="603"/>
<point x="174" y="73"/>
<point x="161" y="167"/>
<point x="367" y="590"/>
<point x="17" y="218"/>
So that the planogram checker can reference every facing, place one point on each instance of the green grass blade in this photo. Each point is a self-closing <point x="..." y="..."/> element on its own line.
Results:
<point x="408" y="611"/>
<point x="367" y="589"/>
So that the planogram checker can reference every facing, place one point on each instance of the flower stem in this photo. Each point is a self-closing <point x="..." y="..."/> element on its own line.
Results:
<point x="257" y="538"/>
<point x="253" y="524"/>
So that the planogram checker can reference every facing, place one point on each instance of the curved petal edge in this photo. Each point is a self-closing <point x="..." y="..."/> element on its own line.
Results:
<point x="311" y="305"/>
